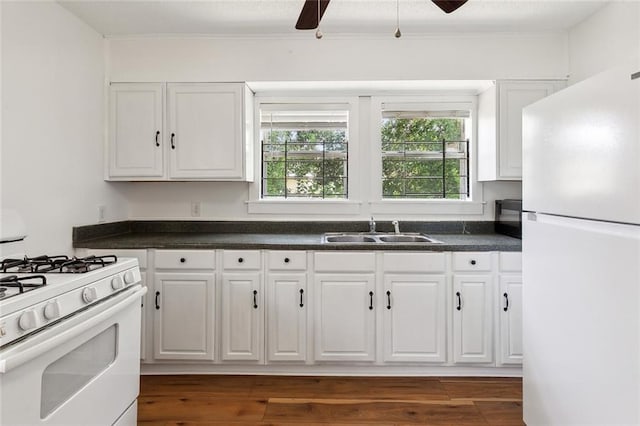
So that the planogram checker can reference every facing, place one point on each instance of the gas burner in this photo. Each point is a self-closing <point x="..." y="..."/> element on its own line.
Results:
<point x="76" y="265"/>
<point x="30" y="264"/>
<point x="22" y="284"/>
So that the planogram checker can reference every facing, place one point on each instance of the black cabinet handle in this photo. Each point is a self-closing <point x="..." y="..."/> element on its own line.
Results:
<point x="157" y="295"/>
<point x="370" y="300"/>
<point x="173" y="144"/>
<point x="255" y="299"/>
<point x="459" y="307"/>
<point x="301" y="293"/>
<point x="473" y="262"/>
<point x="157" y="135"/>
<point x="183" y="260"/>
<point x="506" y="302"/>
<point x="287" y="260"/>
<point x="388" y="299"/>
<point x="240" y="260"/>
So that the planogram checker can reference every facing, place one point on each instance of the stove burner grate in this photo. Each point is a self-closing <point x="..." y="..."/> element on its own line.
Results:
<point x="29" y="264"/>
<point x="77" y="265"/>
<point x="26" y="283"/>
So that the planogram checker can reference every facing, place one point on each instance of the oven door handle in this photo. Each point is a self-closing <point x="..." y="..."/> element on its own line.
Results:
<point x="23" y="355"/>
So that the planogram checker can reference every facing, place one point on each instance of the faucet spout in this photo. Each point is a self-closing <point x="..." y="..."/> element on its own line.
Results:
<point x="372" y="225"/>
<point x="396" y="226"/>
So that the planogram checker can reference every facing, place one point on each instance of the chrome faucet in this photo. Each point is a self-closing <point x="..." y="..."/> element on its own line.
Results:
<point x="396" y="226"/>
<point x="372" y="225"/>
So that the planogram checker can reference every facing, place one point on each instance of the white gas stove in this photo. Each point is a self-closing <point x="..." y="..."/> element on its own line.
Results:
<point x="40" y="291"/>
<point x="69" y="338"/>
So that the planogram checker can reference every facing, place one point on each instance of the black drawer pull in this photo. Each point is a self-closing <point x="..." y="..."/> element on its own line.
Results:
<point x="157" y="295"/>
<point x="459" y="307"/>
<point x="473" y="262"/>
<point x="287" y="260"/>
<point x="183" y="260"/>
<point x="240" y="260"/>
<point x="301" y="293"/>
<point x="173" y="144"/>
<point x="506" y="302"/>
<point x="255" y="299"/>
<point x="157" y="135"/>
<point x="370" y="300"/>
<point x="388" y="299"/>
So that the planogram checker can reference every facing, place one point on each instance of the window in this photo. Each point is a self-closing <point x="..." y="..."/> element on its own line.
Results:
<point x="304" y="151"/>
<point x="425" y="152"/>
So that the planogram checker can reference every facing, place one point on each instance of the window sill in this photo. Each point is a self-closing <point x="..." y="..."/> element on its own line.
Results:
<point x="428" y="207"/>
<point x="309" y="207"/>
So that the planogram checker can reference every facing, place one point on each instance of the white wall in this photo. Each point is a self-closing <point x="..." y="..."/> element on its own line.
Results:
<point x="607" y="38"/>
<point x="53" y="124"/>
<point x="464" y="57"/>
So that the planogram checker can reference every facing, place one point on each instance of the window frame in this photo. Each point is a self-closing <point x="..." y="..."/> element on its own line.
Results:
<point x="473" y="205"/>
<point x="308" y="206"/>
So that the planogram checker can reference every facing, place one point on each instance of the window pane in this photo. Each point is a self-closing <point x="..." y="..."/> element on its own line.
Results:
<point x="304" y="153"/>
<point x="425" y="154"/>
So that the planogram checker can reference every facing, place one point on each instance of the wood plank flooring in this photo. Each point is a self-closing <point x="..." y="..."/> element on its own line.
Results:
<point x="198" y="400"/>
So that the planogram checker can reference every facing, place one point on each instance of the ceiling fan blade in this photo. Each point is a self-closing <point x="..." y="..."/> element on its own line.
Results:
<point x="308" y="19"/>
<point x="449" y="6"/>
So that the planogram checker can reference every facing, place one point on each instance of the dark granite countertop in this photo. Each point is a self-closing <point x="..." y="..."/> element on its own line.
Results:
<point x="455" y="236"/>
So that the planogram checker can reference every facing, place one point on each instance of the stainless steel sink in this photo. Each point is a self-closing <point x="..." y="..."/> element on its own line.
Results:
<point x="349" y="239"/>
<point x="378" y="238"/>
<point x="405" y="239"/>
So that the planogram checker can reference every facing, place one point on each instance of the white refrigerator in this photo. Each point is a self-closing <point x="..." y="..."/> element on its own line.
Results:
<point x="581" y="253"/>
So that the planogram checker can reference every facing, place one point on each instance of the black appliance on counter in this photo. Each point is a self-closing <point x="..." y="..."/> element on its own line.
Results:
<point x="508" y="218"/>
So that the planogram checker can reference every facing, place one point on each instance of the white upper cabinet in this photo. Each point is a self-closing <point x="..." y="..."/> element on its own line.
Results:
<point x="206" y="133"/>
<point x="500" y="125"/>
<point x="135" y="131"/>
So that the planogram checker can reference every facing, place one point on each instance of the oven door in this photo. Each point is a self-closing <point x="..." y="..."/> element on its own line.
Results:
<point x="82" y="371"/>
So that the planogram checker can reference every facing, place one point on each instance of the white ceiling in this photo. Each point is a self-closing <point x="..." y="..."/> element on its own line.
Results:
<point x="352" y="17"/>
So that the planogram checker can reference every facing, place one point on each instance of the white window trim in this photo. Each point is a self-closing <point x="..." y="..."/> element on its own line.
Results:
<point x="473" y="206"/>
<point x="350" y="206"/>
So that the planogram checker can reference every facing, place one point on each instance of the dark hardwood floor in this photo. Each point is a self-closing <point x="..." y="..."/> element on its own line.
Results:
<point x="280" y="400"/>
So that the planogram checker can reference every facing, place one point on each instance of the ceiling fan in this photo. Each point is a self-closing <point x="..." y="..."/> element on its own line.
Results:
<point x="312" y="11"/>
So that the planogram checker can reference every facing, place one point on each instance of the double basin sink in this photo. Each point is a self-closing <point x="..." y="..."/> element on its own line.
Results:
<point x="378" y="238"/>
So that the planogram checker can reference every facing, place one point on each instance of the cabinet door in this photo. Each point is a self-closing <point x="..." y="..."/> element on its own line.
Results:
<point x="206" y="131"/>
<point x="183" y="324"/>
<point x="287" y="317"/>
<point x="135" y="130"/>
<point x="472" y="319"/>
<point x="510" y="319"/>
<point x="513" y="96"/>
<point x="344" y="317"/>
<point x="414" y="318"/>
<point x="242" y="322"/>
<point x="144" y="305"/>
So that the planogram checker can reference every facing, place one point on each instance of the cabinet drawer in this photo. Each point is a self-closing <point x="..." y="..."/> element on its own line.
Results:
<point x="413" y="262"/>
<point x="241" y="259"/>
<point x="510" y="262"/>
<point x="287" y="260"/>
<point x="185" y="259"/>
<point x="472" y="261"/>
<point x="345" y="262"/>
<point x="141" y="254"/>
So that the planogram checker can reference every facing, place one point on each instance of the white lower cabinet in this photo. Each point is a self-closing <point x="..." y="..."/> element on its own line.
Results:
<point x="183" y="321"/>
<point x="510" y="320"/>
<point x="287" y="298"/>
<point x="344" y="323"/>
<point x="242" y="312"/>
<point x="414" y="325"/>
<point x="242" y="306"/>
<point x="472" y="318"/>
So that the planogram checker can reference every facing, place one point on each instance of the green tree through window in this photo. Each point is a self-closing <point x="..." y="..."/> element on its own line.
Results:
<point x="424" y="158"/>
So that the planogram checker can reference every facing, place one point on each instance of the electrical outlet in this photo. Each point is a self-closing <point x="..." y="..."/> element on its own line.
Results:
<point x="102" y="213"/>
<point x="195" y="208"/>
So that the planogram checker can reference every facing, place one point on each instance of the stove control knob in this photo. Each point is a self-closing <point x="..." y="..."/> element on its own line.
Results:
<point x="3" y="331"/>
<point x="51" y="310"/>
<point x="89" y="294"/>
<point x="116" y="283"/>
<point x="129" y="278"/>
<point x="27" y="320"/>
